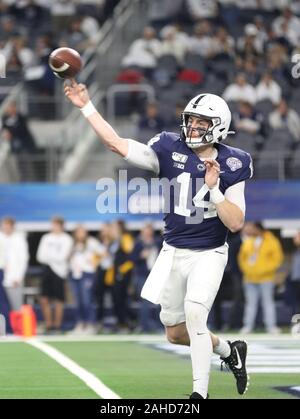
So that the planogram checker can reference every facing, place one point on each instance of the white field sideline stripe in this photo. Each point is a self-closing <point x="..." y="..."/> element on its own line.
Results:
<point x="89" y="379"/>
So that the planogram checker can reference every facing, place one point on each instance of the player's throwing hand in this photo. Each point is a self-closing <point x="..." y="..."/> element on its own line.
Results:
<point x="76" y="93"/>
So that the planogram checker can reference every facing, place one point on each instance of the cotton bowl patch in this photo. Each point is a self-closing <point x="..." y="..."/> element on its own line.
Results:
<point x="234" y="164"/>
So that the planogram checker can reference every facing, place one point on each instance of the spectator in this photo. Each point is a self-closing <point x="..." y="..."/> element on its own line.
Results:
<point x="240" y="90"/>
<point x="90" y="27"/>
<point x="202" y="9"/>
<point x="62" y="12"/>
<point x="25" y="54"/>
<point x="15" y="124"/>
<point x="175" y="118"/>
<point x="14" y="68"/>
<point x="251" y="43"/>
<point x="4" y="304"/>
<point x="288" y="26"/>
<point x="93" y="8"/>
<point x="114" y="273"/>
<point x="5" y="9"/>
<point x="250" y="70"/>
<point x="122" y="274"/>
<point x="173" y="44"/>
<point x="144" y="255"/>
<point x="163" y="13"/>
<point x="151" y="120"/>
<point x="268" y="89"/>
<point x="54" y="252"/>
<point x="230" y="15"/>
<point x="86" y="250"/>
<point x="105" y="272"/>
<point x="223" y="44"/>
<point x="248" y="120"/>
<point x="295" y="275"/>
<point x="16" y="132"/>
<point x="235" y="318"/>
<point x="31" y="14"/>
<point x="277" y="59"/>
<point x="259" y="258"/>
<point x="202" y="42"/>
<point x="15" y="255"/>
<point x="74" y="37"/>
<point x="13" y="266"/>
<point x="8" y="28"/>
<point x="261" y="36"/>
<point x="144" y="52"/>
<point x="295" y="7"/>
<point x="5" y="48"/>
<point x="40" y="78"/>
<point x="43" y="46"/>
<point x="285" y="118"/>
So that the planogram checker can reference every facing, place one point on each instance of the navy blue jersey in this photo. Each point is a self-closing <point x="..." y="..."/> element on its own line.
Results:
<point x="191" y="220"/>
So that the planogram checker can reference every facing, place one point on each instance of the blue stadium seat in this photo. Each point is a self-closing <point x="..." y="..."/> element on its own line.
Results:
<point x="279" y="140"/>
<point x="195" y="62"/>
<point x="265" y="107"/>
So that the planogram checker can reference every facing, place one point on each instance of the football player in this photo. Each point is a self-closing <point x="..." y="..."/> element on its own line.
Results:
<point x="207" y="201"/>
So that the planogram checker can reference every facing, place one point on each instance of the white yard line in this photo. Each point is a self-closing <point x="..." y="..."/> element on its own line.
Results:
<point x="89" y="379"/>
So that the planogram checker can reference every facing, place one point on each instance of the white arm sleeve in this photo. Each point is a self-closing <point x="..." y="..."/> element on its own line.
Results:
<point x="235" y="195"/>
<point x="142" y="156"/>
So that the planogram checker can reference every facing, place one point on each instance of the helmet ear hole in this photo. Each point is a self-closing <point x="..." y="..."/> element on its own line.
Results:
<point x="223" y="134"/>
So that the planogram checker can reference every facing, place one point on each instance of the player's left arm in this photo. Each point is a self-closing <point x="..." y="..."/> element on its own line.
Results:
<point x="231" y="206"/>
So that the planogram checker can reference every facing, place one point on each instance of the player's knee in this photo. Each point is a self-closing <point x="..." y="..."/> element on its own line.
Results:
<point x="196" y="314"/>
<point x="171" y="319"/>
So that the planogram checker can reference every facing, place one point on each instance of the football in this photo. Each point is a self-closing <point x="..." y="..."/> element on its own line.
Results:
<point x="65" y="62"/>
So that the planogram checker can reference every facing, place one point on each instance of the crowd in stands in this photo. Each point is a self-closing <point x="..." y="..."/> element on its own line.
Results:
<point x="86" y="271"/>
<point x="241" y="50"/>
<point x="31" y="29"/>
<point x="15" y="132"/>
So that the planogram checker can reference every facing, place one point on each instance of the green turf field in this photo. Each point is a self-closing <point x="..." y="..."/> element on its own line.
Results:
<point x="138" y="369"/>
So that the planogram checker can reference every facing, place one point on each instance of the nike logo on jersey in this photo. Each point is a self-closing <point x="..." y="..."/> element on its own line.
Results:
<point x="239" y="365"/>
<point x="220" y="253"/>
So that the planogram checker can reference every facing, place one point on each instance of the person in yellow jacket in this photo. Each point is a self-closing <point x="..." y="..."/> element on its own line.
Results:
<point x="259" y="258"/>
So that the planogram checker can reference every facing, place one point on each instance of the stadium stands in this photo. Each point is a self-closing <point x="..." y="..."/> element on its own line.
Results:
<point x="259" y="50"/>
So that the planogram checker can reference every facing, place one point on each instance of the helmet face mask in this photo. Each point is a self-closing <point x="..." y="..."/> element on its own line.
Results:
<point x="209" y="108"/>
<point x="205" y="135"/>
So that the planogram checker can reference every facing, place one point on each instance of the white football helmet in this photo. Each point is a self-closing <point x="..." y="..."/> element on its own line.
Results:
<point x="212" y="108"/>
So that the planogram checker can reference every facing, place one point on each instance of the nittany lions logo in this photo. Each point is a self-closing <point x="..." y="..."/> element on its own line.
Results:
<point x="234" y="164"/>
<point x="201" y="167"/>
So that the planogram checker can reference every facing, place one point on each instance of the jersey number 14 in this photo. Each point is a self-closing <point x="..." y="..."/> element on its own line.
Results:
<point x="208" y="208"/>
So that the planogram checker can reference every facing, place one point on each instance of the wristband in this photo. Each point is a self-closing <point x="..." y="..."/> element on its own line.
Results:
<point x="216" y="196"/>
<point x="88" y="109"/>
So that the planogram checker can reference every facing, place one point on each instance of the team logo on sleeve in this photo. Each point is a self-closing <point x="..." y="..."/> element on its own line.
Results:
<point x="234" y="164"/>
<point x="181" y="158"/>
